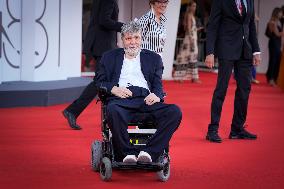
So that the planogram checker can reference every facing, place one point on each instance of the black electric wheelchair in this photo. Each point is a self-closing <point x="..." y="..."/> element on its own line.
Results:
<point x="102" y="157"/>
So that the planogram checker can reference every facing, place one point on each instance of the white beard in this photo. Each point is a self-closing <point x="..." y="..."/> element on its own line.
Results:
<point x="132" y="52"/>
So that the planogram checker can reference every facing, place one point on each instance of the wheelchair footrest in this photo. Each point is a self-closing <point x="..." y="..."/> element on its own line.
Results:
<point x="141" y="131"/>
<point x="154" y="166"/>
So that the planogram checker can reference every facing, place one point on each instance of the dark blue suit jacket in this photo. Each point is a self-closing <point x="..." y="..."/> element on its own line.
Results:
<point x="227" y="28"/>
<point x="111" y="64"/>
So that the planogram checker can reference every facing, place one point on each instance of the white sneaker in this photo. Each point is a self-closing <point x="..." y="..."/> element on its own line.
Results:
<point x="130" y="159"/>
<point x="144" y="157"/>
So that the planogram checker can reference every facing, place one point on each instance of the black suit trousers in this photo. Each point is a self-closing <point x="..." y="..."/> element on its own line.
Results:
<point x="122" y="111"/>
<point x="242" y="71"/>
<point x="89" y="93"/>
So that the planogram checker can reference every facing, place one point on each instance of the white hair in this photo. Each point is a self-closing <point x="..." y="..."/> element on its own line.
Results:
<point x="131" y="27"/>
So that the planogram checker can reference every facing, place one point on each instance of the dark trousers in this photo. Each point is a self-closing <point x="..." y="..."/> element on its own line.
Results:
<point x="253" y="72"/>
<point x="274" y="61"/>
<point x="89" y="93"/>
<point x="242" y="70"/>
<point x="122" y="111"/>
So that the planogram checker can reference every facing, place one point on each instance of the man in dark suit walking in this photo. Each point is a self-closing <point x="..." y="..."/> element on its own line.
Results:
<point x="231" y="36"/>
<point x="133" y="79"/>
<point x="101" y="37"/>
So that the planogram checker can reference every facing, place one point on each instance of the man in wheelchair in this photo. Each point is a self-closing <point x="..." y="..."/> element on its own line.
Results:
<point x="132" y="77"/>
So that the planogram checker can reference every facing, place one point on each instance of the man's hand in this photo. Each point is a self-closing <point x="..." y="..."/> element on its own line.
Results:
<point x="256" y="59"/>
<point x="209" y="61"/>
<point x="151" y="99"/>
<point x="121" y="92"/>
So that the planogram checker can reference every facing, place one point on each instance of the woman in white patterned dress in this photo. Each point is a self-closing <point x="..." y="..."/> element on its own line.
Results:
<point x="185" y="67"/>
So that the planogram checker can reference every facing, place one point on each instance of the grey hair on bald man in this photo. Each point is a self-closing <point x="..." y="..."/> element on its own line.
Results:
<point x="131" y="27"/>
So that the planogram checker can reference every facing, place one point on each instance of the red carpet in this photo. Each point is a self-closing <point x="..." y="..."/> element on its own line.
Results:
<point x="38" y="150"/>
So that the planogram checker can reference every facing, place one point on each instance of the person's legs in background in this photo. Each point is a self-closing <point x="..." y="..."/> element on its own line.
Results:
<point x="275" y="72"/>
<point x="271" y="64"/>
<point x="72" y="112"/>
<point x="243" y="77"/>
<point x="224" y="73"/>
<point x="253" y="73"/>
<point x="194" y="72"/>
<point x="88" y="59"/>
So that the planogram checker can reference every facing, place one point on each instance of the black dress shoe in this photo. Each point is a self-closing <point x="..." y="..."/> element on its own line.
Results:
<point x="213" y="136"/>
<point x="243" y="134"/>
<point x="71" y="120"/>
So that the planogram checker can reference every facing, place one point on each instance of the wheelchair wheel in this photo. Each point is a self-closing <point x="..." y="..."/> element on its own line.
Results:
<point x="96" y="155"/>
<point x="164" y="174"/>
<point x="105" y="169"/>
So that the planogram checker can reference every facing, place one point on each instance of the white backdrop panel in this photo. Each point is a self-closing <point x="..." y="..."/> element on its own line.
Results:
<point x="10" y="31"/>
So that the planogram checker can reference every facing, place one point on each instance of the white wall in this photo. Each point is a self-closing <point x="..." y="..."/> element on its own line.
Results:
<point x="265" y="9"/>
<point x="125" y="15"/>
<point x="71" y="38"/>
<point x="10" y="58"/>
<point x="45" y="40"/>
<point x="140" y="8"/>
<point x="124" y="10"/>
<point x="172" y="26"/>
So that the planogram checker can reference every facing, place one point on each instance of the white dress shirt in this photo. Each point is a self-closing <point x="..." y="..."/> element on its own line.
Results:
<point x="238" y="3"/>
<point x="131" y="73"/>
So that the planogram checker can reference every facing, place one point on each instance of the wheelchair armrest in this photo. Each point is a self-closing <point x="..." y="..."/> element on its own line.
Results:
<point x="102" y="93"/>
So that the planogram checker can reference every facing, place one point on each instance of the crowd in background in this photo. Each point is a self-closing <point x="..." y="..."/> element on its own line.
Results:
<point x="185" y="50"/>
<point x="190" y="46"/>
